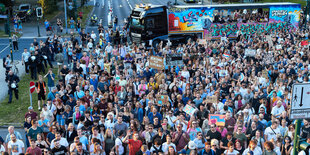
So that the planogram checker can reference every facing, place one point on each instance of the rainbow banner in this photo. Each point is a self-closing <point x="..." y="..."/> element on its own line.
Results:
<point x="217" y="119"/>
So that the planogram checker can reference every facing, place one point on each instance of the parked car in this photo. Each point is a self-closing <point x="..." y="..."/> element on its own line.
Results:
<point x="24" y="12"/>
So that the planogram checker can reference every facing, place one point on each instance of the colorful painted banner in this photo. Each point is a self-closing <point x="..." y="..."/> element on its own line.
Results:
<point x="190" y="19"/>
<point x="201" y="19"/>
<point x="287" y="13"/>
<point x="217" y="119"/>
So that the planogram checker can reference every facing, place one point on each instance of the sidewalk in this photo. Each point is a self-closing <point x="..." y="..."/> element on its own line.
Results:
<point x="30" y="30"/>
<point x="3" y="84"/>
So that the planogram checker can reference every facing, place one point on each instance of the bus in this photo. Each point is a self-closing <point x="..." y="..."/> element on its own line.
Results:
<point x="154" y="23"/>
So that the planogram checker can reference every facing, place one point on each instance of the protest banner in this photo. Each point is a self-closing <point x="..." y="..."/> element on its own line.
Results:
<point x="212" y="99"/>
<point x="189" y="110"/>
<point x="217" y="119"/>
<point x="157" y="62"/>
<point x="174" y="59"/>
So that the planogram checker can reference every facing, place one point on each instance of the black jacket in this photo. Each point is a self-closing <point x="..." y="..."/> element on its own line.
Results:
<point x="10" y="78"/>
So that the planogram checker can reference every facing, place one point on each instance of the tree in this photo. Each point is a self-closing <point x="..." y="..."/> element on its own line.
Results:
<point x="47" y="5"/>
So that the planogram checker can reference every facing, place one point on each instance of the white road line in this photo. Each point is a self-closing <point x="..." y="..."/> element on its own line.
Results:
<point x="5" y="48"/>
<point x="129" y="4"/>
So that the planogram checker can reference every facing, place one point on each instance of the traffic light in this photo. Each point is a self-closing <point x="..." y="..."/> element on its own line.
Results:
<point x="39" y="12"/>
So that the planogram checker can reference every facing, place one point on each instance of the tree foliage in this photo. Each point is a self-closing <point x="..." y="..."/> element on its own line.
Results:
<point x="48" y="6"/>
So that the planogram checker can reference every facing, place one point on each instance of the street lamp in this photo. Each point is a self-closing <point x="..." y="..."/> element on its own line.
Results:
<point x="9" y="30"/>
<point x="65" y="6"/>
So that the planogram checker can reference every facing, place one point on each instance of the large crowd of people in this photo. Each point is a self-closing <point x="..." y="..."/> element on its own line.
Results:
<point x="105" y="99"/>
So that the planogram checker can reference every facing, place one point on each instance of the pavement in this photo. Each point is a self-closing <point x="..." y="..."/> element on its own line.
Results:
<point x="3" y="85"/>
<point x="4" y="132"/>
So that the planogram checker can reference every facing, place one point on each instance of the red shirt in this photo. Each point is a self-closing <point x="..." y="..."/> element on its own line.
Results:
<point x="33" y="115"/>
<point x="134" y="146"/>
<point x="117" y="89"/>
<point x="35" y="151"/>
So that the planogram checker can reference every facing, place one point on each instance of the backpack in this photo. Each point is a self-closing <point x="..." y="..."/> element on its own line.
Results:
<point x="124" y="145"/>
<point x="158" y="150"/>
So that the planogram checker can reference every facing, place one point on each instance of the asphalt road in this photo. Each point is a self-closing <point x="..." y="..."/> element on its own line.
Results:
<point x="120" y="8"/>
<point x="4" y="132"/>
<point x="22" y="43"/>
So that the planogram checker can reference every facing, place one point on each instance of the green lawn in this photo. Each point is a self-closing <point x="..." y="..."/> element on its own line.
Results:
<point x="302" y="2"/>
<point x="14" y="112"/>
<point x="3" y="35"/>
<point x="86" y="11"/>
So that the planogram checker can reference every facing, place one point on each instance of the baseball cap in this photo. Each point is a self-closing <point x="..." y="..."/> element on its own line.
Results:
<point x="30" y="108"/>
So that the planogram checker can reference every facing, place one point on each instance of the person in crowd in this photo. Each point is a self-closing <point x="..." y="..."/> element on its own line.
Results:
<point x="33" y="149"/>
<point x="110" y="98"/>
<point x="12" y="81"/>
<point x="15" y="146"/>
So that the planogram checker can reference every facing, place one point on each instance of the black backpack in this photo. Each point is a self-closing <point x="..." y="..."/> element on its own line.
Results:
<point x="158" y="150"/>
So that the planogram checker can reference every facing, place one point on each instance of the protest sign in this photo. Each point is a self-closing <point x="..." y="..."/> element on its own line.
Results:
<point x="217" y="119"/>
<point x="174" y="59"/>
<point x="212" y="99"/>
<point x="202" y="42"/>
<point x="250" y="52"/>
<point x="162" y="99"/>
<point x="157" y="62"/>
<point x="189" y="110"/>
<point x="265" y="74"/>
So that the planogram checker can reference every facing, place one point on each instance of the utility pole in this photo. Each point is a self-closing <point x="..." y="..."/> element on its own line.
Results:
<point x="75" y="12"/>
<point x="296" y="136"/>
<point x="65" y="6"/>
<point x="9" y="30"/>
<point x="306" y="13"/>
<point x="38" y="27"/>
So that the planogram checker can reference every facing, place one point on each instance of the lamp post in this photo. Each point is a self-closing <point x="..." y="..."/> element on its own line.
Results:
<point x="65" y="6"/>
<point x="9" y="30"/>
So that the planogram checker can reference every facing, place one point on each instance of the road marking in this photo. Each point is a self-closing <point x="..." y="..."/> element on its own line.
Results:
<point x="5" y="48"/>
<point x="129" y="5"/>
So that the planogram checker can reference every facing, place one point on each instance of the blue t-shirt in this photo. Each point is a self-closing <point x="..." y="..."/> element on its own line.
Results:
<point x="50" y="82"/>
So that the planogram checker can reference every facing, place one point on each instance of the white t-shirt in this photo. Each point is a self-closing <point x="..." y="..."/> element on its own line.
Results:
<point x="276" y="110"/>
<point x="119" y="143"/>
<point x="17" y="147"/>
<point x="2" y="149"/>
<point x="235" y="152"/>
<point x="63" y="142"/>
<point x="166" y="146"/>
<point x="272" y="134"/>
